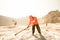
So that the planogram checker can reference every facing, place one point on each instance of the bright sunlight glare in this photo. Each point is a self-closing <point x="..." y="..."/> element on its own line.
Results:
<point x="22" y="8"/>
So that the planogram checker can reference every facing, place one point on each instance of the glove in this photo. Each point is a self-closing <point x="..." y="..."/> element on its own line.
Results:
<point x="27" y="26"/>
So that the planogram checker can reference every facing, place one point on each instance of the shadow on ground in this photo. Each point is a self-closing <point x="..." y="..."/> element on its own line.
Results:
<point x="40" y="38"/>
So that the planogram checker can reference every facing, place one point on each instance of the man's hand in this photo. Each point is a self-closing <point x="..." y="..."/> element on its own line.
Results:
<point x="28" y="26"/>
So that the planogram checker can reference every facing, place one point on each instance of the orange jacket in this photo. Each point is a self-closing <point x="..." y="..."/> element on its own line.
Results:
<point x="33" y="20"/>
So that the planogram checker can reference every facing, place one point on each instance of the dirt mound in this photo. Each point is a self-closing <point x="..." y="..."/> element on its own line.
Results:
<point x="53" y="17"/>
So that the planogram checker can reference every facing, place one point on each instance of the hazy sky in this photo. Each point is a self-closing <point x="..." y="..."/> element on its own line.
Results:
<point x="22" y="8"/>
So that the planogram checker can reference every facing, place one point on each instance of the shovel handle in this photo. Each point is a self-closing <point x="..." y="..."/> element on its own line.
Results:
<point x="20" y="31"/>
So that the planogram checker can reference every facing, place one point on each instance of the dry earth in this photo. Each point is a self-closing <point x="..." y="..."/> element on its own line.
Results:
<point x="50" y="32"/>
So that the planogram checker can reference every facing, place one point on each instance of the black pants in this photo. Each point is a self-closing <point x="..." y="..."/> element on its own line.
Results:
<point x="38" y="28"/>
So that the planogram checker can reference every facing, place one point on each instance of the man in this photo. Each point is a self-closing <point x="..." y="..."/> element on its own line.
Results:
<point x="46" y="23"/>
<point x="15" y="22"/>
<point x="34" y="23"/>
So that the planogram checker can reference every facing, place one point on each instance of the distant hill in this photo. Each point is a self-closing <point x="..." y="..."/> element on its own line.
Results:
<point x="5" y="21"/>
<point x="52" y="17"/>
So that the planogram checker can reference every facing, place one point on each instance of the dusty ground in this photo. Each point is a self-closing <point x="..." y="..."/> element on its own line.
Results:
<point x="50" y="32"/>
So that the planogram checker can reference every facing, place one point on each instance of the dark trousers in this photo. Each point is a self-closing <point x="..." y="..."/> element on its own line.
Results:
<point x="38" y="28"/>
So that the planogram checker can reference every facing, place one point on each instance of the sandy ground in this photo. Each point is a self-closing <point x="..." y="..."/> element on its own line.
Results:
<point x="50" y="32"/>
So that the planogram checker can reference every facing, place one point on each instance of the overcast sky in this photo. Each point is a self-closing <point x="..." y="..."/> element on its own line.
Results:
<point x="22" y="8"/>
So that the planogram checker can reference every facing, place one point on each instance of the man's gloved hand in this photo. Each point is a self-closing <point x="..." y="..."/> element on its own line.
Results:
<point x="28" y="26"/>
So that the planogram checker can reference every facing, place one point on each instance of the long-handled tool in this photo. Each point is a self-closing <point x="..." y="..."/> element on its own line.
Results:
<point x="20" y="31"/>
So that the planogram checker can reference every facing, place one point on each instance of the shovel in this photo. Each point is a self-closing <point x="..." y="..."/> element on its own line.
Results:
<point x="20" y="31"/>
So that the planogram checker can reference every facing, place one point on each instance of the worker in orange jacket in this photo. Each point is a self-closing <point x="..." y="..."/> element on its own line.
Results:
<point x="34" y="23"/>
